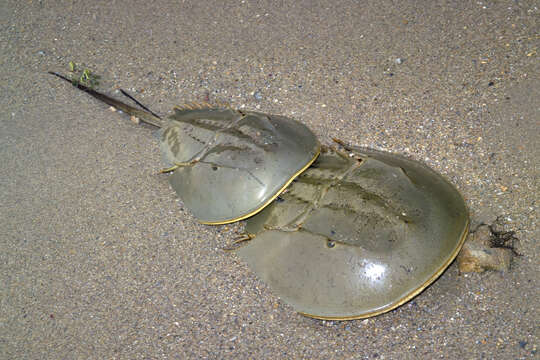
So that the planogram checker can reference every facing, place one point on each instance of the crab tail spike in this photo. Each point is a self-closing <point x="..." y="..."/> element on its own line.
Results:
<point x="126" y="94"/>
<point x="142" y="115"/>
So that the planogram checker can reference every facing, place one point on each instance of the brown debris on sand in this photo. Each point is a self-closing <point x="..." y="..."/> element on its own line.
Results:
<point x="487" y="248"/>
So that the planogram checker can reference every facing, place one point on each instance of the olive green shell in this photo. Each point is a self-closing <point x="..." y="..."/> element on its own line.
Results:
<point x="238" y="161"/>
<point x="357" y="235"/>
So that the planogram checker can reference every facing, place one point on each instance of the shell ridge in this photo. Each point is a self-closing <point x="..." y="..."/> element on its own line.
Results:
<point x="248" y="171"/>
<point x="203" y="124"/>
<point x="220" y="148"/>
<point x="301" y="218"/>
<point x="210" y="144"/>
<point x="199" y="140"/>
<point x="382" y="202"/>
<point x="221" y="129"/>
<point x="295" y="197"/>
<point x="239" y="134"/>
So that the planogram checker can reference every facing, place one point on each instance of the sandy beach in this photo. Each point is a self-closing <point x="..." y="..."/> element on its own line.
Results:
<point x="100" y="260"/>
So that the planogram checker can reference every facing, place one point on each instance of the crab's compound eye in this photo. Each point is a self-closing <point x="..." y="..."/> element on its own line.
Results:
<point x="330" y="244"/>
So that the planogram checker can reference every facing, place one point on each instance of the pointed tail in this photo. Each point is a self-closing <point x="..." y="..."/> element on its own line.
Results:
<point x="144" y="116"/>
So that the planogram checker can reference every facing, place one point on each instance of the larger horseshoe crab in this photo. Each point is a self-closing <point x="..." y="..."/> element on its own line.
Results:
<point x="357" y="234"/>
<point x="226" y="164"/>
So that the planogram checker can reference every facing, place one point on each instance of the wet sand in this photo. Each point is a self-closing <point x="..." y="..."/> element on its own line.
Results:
<point x="99" y="260"/>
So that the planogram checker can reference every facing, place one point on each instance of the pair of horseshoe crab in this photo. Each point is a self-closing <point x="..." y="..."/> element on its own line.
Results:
<point x="337" y="233"/>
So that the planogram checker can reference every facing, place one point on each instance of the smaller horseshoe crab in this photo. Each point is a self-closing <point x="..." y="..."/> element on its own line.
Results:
<point x="226" y="164"/>
<point x="238" y="161"/>
<point x="356" y="235"/>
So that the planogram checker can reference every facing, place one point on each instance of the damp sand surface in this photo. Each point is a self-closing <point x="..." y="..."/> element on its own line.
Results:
<point x="99" y="260"/>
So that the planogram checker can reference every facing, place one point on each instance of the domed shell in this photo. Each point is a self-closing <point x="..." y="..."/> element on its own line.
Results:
<point x="357" y="234"/>
<point x="229" y="163"/>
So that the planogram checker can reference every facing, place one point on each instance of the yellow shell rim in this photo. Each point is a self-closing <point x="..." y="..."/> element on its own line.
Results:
<point x="409" y="296"/>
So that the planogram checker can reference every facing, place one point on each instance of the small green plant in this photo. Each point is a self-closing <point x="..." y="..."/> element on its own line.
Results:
<point x="82" y="75"/>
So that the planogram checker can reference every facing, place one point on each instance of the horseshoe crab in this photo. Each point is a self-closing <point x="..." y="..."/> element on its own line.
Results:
<point x="356" y="235"/>
<point x="239" y="161"/>
<point x="226" y="164"/>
